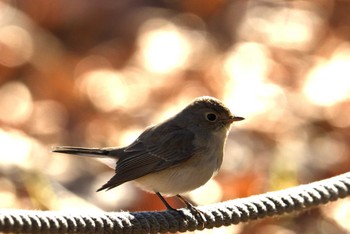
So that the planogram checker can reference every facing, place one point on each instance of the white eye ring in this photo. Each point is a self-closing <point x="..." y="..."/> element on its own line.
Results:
<point x="211" y="117"/>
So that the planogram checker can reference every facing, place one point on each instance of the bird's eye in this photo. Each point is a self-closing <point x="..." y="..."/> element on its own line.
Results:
<point x="211" y="117"/>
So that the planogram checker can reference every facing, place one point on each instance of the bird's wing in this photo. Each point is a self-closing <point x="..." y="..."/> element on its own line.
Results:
<point x="151" y="154"/>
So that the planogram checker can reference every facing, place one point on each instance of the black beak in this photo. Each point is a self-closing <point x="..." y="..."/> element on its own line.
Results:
<point x="235" y="119"/>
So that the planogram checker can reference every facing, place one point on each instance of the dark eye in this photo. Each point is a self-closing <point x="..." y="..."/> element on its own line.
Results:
<point x="211" y="117"/>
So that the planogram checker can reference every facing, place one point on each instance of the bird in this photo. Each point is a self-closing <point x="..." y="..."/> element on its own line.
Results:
<point x="173" y="157"/>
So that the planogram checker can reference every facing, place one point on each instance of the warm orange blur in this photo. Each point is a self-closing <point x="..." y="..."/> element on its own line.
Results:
<point x="96" y="73"/>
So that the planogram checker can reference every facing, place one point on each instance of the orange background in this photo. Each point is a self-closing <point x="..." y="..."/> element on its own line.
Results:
<point x="96" y="73"/>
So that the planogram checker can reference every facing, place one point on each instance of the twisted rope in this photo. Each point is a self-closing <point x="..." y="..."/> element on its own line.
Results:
<point x="221" y="214"/>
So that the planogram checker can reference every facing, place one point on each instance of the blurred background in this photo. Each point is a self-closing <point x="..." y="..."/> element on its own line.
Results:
<point x="96" y="73"/>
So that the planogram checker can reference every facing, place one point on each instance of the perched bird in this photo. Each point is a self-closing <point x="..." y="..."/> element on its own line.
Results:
<point x="172" y="157"/>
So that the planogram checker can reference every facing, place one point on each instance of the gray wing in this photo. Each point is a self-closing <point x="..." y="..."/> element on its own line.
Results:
<point x="156" y="152"/>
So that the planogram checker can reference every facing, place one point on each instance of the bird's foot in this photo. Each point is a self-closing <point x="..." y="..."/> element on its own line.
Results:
<point x="199" y="215"/>
<point x="194" y="210"/>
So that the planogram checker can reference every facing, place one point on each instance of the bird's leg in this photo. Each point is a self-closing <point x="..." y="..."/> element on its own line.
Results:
<point x="191" y="207"/>
<point x="165" y="202"/>
<point x="169" y="207"/>
<point x="187" y="203"/>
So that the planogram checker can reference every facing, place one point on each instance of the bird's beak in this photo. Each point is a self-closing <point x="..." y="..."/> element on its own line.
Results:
<point x="234" y="119"/>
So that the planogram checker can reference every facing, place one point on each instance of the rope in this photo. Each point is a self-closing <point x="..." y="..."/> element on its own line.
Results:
<point x="221" y="214"/>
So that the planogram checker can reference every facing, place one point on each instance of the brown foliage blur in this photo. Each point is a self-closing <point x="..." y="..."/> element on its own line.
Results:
<point x="96" y="73"/>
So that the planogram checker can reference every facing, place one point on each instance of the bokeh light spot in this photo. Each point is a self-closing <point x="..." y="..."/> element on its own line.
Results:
<point x="328" y="83"/>
<point x="248" y="92"/>
<point x="163" y="48"/>
<point x="16" y="103"/>
<point x="212" y="190"/>
<point x="105" y="88"/>
<point x="15" y="148"/>
<point x="16" y="46"/>
<point x="282" y="27"/>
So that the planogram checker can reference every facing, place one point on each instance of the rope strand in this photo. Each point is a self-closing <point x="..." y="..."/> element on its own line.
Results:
<point x="221" y="214"/>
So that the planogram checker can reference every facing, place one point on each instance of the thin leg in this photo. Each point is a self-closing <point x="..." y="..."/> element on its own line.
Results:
<point x="187" y="203"/>
<point x="165" y="202"/>
<point x="169" y="207"/>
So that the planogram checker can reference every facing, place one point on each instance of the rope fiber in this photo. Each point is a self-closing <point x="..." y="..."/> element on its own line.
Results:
<point x="221" y="214"/>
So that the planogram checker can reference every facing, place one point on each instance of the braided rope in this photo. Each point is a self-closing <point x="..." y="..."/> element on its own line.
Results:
<point x="221" y="214"/>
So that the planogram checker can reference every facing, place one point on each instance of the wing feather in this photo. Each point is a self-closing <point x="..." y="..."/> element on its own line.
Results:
<point x="152" y="153"/>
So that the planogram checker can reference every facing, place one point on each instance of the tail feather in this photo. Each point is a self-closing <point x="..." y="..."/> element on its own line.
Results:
<point x="112" y="183"/>
<point x="90" y="152"/>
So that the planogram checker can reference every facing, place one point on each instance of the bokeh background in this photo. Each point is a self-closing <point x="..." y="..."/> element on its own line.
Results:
<point x="96" y="73"/>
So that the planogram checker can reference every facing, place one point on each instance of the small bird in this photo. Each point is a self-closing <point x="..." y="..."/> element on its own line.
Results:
<point x="172" y="157"/>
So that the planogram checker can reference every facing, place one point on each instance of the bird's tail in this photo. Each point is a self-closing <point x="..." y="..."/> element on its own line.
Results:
<point x="90" y="152"/>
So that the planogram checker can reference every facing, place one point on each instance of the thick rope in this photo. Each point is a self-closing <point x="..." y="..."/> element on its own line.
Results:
<point x="221" y="214"/>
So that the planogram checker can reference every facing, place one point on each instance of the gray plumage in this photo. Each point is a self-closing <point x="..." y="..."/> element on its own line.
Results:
<point x="175" y="156"/>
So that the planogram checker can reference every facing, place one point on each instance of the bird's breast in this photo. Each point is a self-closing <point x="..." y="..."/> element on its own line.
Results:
<point x="187" y="175"/>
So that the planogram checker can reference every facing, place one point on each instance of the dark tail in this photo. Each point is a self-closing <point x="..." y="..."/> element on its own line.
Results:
<point x="90" y="152"/>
